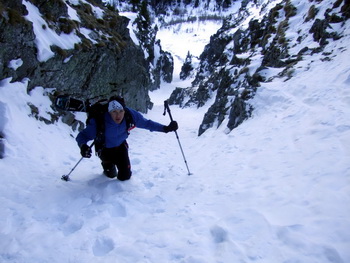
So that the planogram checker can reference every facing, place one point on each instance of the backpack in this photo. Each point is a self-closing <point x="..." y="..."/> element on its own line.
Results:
<point x="95" y="111"/>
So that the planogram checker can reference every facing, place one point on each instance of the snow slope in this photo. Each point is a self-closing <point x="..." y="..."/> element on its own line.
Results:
<point x="276" y="189"/>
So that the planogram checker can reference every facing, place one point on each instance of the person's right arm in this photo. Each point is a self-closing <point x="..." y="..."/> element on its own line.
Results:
<point x="88" y="134"/>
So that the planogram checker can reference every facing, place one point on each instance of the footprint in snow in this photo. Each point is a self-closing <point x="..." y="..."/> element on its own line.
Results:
<point x="135" y="161"/>
<point x="72" y="226"/>
<point x="218" y="234"/>
<point x="102" y="246"/>
<point x="290" y="236"/>
<point x="117" y="210"/>
<point x="343" y="128"/>
<point x="102" y="227"/>
<point x="148" y="185"/>
<point x="102" y="182"/>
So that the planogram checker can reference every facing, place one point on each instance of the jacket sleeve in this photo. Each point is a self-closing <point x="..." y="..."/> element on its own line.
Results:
<point x="88" y="134"/>
<point x="144" y="123"/>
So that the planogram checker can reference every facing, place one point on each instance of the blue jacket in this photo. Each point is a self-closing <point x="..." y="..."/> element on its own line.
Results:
<point x="116" y="134"/>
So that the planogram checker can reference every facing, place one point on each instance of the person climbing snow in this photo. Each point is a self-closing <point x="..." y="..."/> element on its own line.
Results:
<point x="109" y="127"/>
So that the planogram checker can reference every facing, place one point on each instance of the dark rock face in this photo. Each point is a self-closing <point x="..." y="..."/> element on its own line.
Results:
<point x="2" y="126"/>
<point x="187" y="68"/>
<point x="97" y="73"/>
<point x="163" y="68"/>
<point x="2" y="148"/>
<point x="109" y="65"/>
<point x="166" y="66"/>
<point x="16" y="40"/>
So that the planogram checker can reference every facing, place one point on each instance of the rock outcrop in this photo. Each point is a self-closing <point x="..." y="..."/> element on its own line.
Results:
<point x="105" y="61"/>
<point x="234" y="63"/>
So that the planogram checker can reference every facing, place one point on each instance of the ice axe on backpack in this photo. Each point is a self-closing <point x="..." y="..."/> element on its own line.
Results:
<point x="167" y="109"/>
<point x="66" y="177"/>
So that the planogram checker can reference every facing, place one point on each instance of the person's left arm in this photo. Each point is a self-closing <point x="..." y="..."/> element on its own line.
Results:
<point x="142" y="122"/>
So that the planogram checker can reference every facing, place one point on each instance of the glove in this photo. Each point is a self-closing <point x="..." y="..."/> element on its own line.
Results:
<point x="85" y="151"/>
<point x="171" y="127"/>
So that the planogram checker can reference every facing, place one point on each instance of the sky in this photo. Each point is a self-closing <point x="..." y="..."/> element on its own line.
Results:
<point x="275" y="189"/>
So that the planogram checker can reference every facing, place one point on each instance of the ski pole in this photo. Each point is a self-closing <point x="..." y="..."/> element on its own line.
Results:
<point x="167" y="109"/>
<point x="66" y="177"/>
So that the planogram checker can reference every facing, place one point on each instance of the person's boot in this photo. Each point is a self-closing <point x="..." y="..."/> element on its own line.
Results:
<point x="109" y="170"/>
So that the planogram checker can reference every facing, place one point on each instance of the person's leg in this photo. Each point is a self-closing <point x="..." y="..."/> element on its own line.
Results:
<point x="123" y="163"/>
<point x="109" y="169"/>
<point x="107" y="163"/>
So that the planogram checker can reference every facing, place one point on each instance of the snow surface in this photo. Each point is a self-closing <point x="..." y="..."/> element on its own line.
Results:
<point x="275" y="189"/>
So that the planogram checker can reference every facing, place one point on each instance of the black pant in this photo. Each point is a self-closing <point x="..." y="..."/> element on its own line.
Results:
<point x="116" y="156"/>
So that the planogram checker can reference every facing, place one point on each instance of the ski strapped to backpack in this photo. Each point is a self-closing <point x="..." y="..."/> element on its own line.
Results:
<point x="67" y="103"/>
<point x="95" y="111"/>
